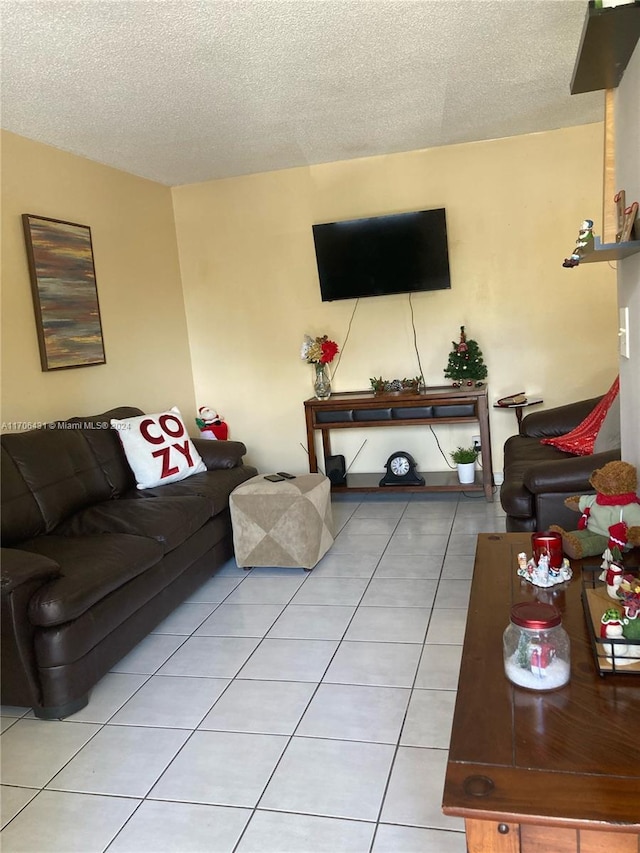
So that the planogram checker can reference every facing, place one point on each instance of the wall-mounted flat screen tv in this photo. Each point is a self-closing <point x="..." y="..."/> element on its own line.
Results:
<point x="400" y="253"/>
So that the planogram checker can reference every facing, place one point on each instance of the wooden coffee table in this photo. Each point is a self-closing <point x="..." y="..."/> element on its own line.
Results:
<point x="555" y="772"/>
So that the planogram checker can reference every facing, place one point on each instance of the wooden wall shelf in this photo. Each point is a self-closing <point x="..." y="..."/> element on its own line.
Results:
<point x="609" y="37"/>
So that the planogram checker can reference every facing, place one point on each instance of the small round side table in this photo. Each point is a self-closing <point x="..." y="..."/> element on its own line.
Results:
<point x="517" y="404"/>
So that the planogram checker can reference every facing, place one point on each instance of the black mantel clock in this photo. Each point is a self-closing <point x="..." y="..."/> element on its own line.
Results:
<point x="401" y="471"/>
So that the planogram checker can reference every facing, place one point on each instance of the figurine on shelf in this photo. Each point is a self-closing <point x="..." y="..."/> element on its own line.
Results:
<point x="584" y="244"/>
<point x="542" y="574"/>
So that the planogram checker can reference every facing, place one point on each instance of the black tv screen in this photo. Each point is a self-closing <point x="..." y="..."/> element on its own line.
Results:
<point x="401" y="253"/>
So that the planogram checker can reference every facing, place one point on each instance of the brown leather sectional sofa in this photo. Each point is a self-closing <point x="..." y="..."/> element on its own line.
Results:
<point x="91" y="564"/>
<point x="538" y="477"/>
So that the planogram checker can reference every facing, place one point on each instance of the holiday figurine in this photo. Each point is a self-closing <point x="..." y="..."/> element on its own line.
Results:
<point x="543" y="570"/>
<point x="611" y="618"/>
<point x="542" y="574"/>
<point x="612" y="576"/>
<point x="628" y="593"/>
<point x="465" y="365"/>
<point x="542" y="654"/>
<point x="584" y="244"/>
<point x="631" y="630"/>
<point x="211" y="425"/>
<point x="611" y="627"/>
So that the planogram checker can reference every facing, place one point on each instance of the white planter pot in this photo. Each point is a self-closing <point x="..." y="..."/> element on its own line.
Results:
<point x="467" y="472"/>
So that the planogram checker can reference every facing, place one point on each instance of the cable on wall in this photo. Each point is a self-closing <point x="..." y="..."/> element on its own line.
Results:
<point x="353" y="313"/>
<point x="356" y="456"/>
<point x="415" y="339"/>
<point x="439" y="448"/>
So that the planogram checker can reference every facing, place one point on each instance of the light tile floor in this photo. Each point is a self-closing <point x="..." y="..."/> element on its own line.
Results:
<point x="275" y="711"/>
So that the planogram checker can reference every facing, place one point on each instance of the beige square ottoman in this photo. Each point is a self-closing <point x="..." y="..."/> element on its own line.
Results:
<point x="285" y="524"/>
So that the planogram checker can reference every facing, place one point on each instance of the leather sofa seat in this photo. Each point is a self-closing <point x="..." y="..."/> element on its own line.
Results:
<point x="216" y="489"/>
<point x="170" y="521"/>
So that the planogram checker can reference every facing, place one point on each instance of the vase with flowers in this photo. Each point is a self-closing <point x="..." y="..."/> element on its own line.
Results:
<point x="319" y="352"/>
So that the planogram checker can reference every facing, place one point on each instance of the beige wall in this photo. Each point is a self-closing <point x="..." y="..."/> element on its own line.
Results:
<point x="138" y="277"/>
<point x="627" y="98"/>
<point x="249" y="284"/>
<point x="514" y="207"/>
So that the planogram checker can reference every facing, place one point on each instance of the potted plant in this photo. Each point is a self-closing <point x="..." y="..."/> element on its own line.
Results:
<point x="465" y="459"/>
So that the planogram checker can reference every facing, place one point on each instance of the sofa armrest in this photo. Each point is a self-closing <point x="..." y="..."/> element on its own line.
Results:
<point x="23" y="574"/>
<point x="566" y="475"/>
<point x="220" y="454"/>
<point x="558" y="421"/>
<point x="21" y="567"/>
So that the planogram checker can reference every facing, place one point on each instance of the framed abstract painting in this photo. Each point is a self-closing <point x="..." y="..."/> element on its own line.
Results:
<point x="65" y="294"/>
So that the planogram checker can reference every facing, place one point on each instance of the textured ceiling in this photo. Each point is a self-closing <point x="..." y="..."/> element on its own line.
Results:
<point x="188" y="91"/>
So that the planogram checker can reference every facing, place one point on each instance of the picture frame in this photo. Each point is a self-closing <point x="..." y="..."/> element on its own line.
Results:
<point x="65" y="292"/>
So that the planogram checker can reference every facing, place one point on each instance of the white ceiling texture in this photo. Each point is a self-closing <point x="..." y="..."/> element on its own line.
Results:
<point x="183" y="91"/>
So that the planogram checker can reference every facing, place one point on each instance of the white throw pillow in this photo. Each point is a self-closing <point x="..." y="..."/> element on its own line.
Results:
<point x="158" y="448"/>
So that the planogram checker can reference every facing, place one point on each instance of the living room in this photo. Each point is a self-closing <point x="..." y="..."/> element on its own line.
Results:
<point x="206" y="290"/>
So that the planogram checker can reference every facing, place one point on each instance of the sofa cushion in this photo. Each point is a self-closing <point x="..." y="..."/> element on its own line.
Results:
<point x="59" y="469"/>
<point x="91" y="566"/>
<point x="214" y="486"/>
<point x="21" y="517"/>
<point x="170" y="521"/>
<point x="158" y="448"/>
<point x="580" y="441"/>
<point x="107" y="447"/>
<point x="60" y="644"/>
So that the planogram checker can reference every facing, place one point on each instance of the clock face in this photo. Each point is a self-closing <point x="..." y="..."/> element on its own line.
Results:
<point x="399" y="466"/>
<point x="401" y="471"/>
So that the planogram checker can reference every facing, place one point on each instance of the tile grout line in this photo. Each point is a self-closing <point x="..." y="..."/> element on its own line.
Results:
<point x="411" y="692"/>
<point x="326" y="669"/>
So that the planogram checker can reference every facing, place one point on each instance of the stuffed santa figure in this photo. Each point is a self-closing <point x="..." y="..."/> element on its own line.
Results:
<point x="211" y="425"/>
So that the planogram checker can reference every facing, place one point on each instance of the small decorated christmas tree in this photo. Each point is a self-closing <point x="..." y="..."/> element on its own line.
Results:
<point x="465" y="364"/>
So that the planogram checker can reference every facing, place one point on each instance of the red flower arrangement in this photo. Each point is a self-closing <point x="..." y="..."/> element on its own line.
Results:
<point x="318" y="350"/>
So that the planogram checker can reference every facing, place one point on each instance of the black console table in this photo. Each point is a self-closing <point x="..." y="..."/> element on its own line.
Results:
<point x="437" y="405"/>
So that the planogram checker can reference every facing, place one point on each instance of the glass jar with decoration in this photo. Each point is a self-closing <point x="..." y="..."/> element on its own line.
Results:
<point x="536" y="647"/>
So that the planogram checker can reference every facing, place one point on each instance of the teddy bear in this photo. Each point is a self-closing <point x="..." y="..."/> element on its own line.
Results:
<point x="610" y="518"/>
<point x="211" y="424"/>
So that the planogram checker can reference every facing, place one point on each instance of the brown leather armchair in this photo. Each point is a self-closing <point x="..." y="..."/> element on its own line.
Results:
<point x="538" y="477"/>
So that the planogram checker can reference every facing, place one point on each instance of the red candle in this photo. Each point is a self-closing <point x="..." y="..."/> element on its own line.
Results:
<point x="547" y="544"/>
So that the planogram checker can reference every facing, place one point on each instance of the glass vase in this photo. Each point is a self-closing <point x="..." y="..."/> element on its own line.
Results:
<point x="321" y="382"/>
